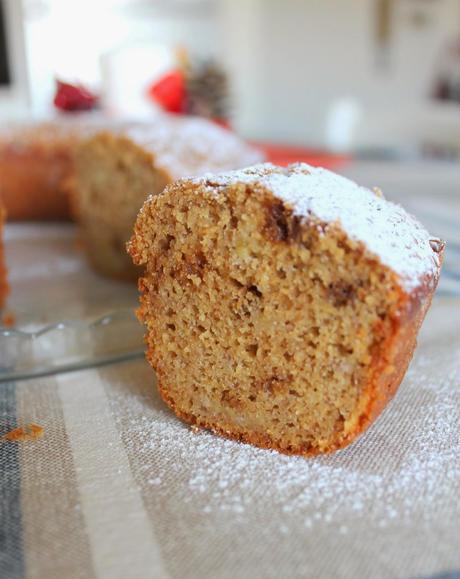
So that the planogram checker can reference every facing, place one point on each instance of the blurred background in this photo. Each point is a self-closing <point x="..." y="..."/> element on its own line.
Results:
<point x="372" y="77"/>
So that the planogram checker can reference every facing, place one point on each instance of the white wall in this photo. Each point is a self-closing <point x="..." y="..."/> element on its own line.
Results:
<point x="294" y="61"/>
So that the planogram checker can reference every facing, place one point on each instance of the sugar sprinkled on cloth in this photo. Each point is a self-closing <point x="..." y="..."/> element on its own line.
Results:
<point x="415" y="479"/>
<point x="386" y="229"/>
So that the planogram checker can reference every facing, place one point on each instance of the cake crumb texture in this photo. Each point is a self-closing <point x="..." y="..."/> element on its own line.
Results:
<point x="24" y="433"/>
<point x="117" y="170"/>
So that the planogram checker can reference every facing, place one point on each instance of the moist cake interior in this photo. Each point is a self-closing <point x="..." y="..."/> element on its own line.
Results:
<point x="259" y="325"/>
<point x="114" y="177"/>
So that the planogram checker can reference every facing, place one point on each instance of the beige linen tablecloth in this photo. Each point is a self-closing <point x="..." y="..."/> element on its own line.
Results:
<point x="119" y="488"/>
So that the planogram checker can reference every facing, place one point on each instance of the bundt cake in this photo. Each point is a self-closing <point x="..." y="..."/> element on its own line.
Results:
<point x="117" y="170"/>
<point x="282" y="305"/>
<point x="3" y="282"/>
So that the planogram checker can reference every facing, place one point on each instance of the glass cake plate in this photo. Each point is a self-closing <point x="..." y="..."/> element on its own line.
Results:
<point x="60" y="315"/>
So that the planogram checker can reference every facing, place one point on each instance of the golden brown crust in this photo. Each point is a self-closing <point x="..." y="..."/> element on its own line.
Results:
<point x="32" y="183"/>
<point x="3" y="278"/>
<point x="397" y="351"/>
<point x="36" y="162"/>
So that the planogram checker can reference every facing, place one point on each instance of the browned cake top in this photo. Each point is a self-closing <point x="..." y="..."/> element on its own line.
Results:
<point x="63" y="130"/>
<point x="182" y="145"/>
<point x="386" y="229"/>
<point x="186" y="146"/>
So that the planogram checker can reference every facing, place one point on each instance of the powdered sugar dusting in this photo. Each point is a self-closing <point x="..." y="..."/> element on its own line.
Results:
<point x="387" y="230"/>
<point x="186" y="146"/>
<point x="182" y="145"/>
<point x="406" y="466"/>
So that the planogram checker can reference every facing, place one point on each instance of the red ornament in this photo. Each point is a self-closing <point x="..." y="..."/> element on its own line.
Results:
<point x="72" y="97"/>
<point x="170" y="92"/>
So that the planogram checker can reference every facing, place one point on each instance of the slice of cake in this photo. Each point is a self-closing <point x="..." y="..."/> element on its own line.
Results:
<point x="282" y="305"/>
<point x="3" y="281"/>
<point x="116" y="171"/>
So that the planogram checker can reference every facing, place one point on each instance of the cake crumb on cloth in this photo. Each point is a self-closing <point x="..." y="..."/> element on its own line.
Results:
<point x="24" y="433"/>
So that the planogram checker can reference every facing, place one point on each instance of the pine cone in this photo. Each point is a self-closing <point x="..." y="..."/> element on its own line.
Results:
<point x="207" y="91"/>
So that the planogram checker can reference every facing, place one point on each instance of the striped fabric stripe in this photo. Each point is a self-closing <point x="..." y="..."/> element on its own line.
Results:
<point x="11" y="548"/>
<point x="55" y="539"/>
<point x="450" y="575"/>
<point x="122" y="538"/>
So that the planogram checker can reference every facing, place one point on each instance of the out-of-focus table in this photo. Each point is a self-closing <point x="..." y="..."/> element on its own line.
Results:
<point x="118" y="487"/>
